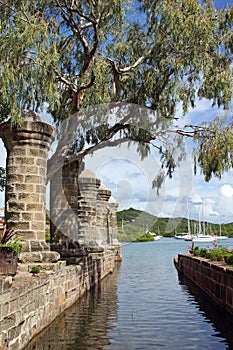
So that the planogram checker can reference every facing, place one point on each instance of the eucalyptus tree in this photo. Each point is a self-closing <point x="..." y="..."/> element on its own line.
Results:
<point x="71" y="57"/>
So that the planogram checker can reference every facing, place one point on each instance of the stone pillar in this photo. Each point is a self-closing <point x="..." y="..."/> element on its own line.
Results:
<point x="87" y="197"/>
<point x="27" y="150"/>
<point x="113" y="205"/>
<point x="64" y="221"/>
<point x="103" y="222"/>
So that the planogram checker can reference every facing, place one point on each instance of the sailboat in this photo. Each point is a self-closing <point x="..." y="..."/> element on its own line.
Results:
<point x="220" y="237"/>
<point x="187" y="236"/>
<point x="203" y="237"/>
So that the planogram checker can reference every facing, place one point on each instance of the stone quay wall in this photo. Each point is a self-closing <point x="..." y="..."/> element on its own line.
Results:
<point x="214" y="278"/>
<point x="29" y="303"/>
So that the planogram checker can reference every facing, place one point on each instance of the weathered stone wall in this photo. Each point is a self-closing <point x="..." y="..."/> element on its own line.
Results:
<point x="214" y="278"/>
<point x="30" y="303"/>
<point x="83" y="216"/>
<point x="64" y="221"/>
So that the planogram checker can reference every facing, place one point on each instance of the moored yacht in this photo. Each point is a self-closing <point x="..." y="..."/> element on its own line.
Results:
<point x="203" y="238"/>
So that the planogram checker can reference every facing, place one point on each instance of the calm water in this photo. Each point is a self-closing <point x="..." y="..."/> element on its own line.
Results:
<point x="142" y="305"/>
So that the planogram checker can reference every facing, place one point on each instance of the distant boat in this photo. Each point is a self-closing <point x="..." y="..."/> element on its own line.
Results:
<point x="183" y="235"/>
<point x="180" y="235"/>
<point x="156" y="237"/>
<point x="187" y="236"/>
<point x="220" y="237"/>
<point x="203" y="238"/>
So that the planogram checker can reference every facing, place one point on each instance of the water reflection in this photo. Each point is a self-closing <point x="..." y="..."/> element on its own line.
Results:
<point x="85" y="325"/>
<point x="220" y="319"/>
<point x="142" y="306"/>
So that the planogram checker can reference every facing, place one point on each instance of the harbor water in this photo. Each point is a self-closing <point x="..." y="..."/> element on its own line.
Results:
<point x="143" y="305"/>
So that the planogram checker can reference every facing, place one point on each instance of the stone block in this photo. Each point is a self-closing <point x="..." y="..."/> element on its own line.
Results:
<point x="27" y="169"/>
<point x="16" y="216"/>
<point x="15" y="207"/>
<point x="27" y="216"/>
<point x="24" y="187"/>
<point x="37" y="225"/>
<point x="40" y="188"/>
<point x="30" y="257"/>
<point x="38" y="216"/>
<point x="29" y="197"/>
<point x="24" y="160"/>
<point x="19" y="151"/>
<point x="37" y="152"/>
<point x="33" y="179"/>
<point x="35" y="207"/>
<point x="41" y="171"/>
<point x="19" y="226"/>
<point x="41" y="162"/>
<point x="28" y="235"/>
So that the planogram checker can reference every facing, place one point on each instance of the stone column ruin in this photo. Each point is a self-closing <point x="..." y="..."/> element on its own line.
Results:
<point x="87" y="210"/>
<point x="103" y="215"/>
<point x="27" y="151"/>
<point x="64" y="221"/>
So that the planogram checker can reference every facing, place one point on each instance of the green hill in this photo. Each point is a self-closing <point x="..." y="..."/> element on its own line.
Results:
<point x="132" y="223"/>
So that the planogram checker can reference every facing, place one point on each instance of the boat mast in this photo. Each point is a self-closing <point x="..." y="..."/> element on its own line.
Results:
<point x="189" y="229"/>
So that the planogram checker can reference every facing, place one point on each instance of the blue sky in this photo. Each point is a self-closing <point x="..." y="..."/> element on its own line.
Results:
<point x="222" y="3"/>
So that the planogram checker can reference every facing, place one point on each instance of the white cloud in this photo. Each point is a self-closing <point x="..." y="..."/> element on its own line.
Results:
<point x="196" y="199"/>
<point x="227" y="191"/>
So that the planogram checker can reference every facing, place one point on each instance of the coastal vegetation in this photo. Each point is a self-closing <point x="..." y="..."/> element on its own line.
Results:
<point x="146" y="237"/>
<point x="133" y="223"/>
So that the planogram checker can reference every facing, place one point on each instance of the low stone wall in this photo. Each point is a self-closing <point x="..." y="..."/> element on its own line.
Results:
<point x="214" y="278"/>
<point x="29" y="303"/>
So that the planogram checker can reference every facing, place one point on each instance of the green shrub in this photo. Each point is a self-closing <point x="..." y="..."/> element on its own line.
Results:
<point x="146" y="237"/>
<point x="6" y="241"/>
<point x="217" y="254"/>
<point x="229" y="259"/>
<point x="35" y="269"/>
<point x="202" y="252"/>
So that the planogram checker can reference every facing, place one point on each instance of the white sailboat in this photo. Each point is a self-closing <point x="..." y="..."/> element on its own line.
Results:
<point x="220" y="237"/>
<point x="181" y="235"/>
<point x="187" y="236"/>
<point x="203" y="237"/>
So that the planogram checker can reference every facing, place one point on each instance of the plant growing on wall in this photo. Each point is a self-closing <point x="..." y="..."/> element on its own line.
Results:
<point x="9" y="250"/>
<point x="7" y="243"/>
<point x="35" y="269"/>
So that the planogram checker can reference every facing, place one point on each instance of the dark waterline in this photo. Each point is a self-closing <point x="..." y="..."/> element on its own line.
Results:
<point x="142" y="306"/>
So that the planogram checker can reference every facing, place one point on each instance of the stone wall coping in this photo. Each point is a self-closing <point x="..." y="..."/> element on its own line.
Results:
<point x="220" y="265"/>
<point x="87" y="173"/>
